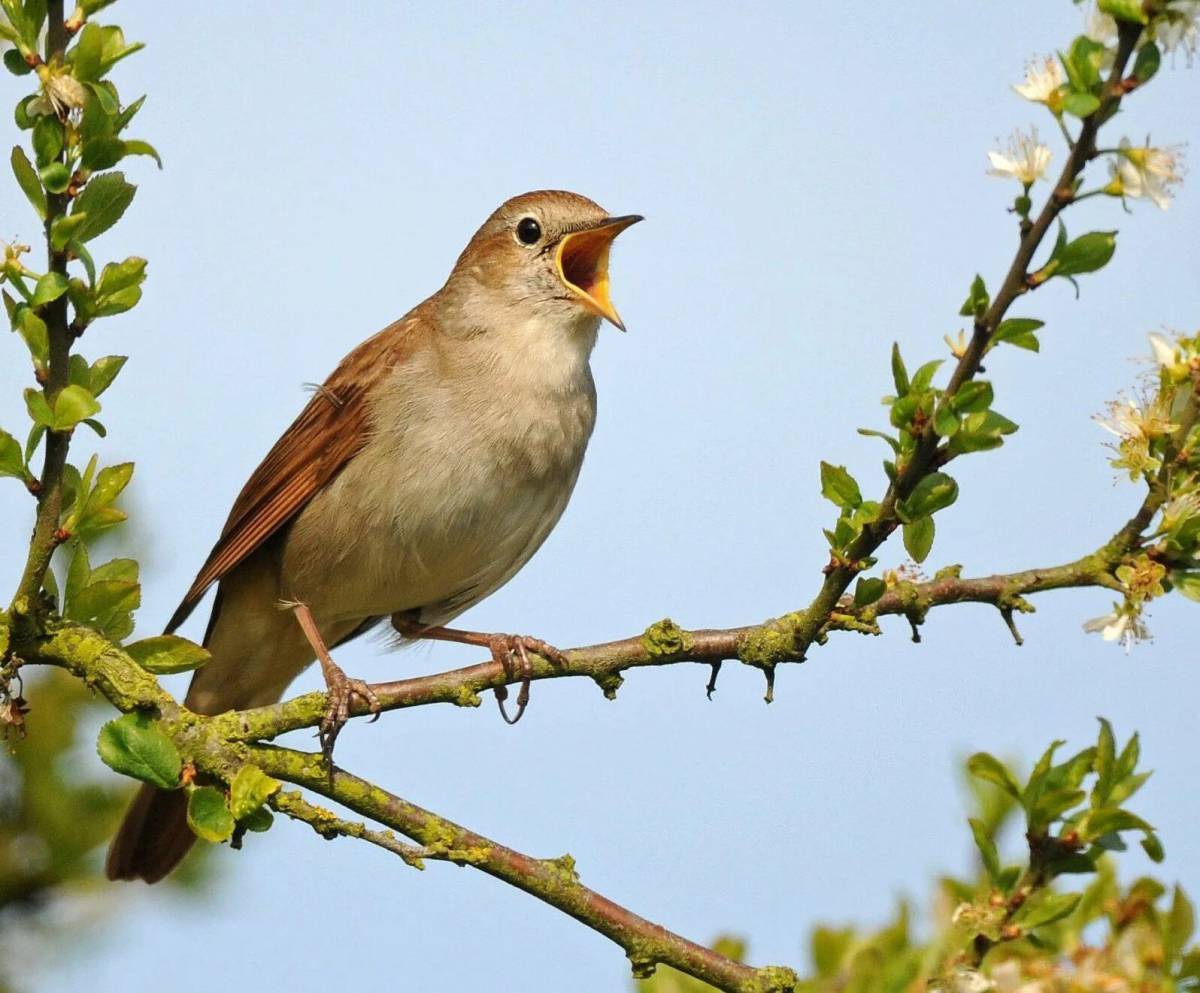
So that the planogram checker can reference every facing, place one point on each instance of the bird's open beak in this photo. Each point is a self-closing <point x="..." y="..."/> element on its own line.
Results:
<point x="582" y="258"/>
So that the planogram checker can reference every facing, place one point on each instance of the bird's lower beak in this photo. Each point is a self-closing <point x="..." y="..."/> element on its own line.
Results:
<point x="582" y="258"/>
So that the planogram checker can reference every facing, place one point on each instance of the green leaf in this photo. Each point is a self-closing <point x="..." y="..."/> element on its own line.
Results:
<point x="34" y="333"/>
<point x="104" y="371"/>
<point x="899" y="373"/>
<point x="134" y="746"/>
<point x="79" y="575"/>
<point x="838" y="486"/>
<point x="1180" y="924"/>
<point x="86" y="54"/>
<point x="977" y="301"/>
<point x="922" y="378"/>
<point x="866" y="591"/>
<point x="1126" y="10"/>
<point x="1105" y="765"/>
<point x="871" y="433"/>
<point x="39" y="410"/>
<point x="12" y="463"/>
<point x="104" y="200"/>
<point x="932" y="493"/>
<point x="109" y="484"/>
<point x="1107" y="820"/>
<point x="63" y="229"/>
<point x="47" y="139"/>
<point x="1149" y="58"/>
<point x="249" y="790"/>
<point x="1187" y="583"/>
<point x="258" y="820"/>
<point x="100" y="603"/>
<point x="1153" y="848"/>
<point x="1079" y="104"/>
<point x="55" y="176"/>
<point x="1087" y="253"/>
<point x="28" y="180"/>
<point x="1045" y="907"/>
<point x="945" y="421"/>
<point x="71" y="406"/>
<point x="973" y="396"/>
<point x="1017" y="331"/>
<point x="102" y="152"/>
<point x="207" y="815"/>
<point x="987" y="848"/>
<point x="918" y="538"/>
<point x="49" y="288"/>
<point x="137" y="147"/>
<point x="828" y="951"/>
<point x="981" y="765"/>
<point x="167" y="653"/>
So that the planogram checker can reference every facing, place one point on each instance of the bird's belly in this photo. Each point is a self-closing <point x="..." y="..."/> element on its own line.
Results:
<point x="435" y="531"/>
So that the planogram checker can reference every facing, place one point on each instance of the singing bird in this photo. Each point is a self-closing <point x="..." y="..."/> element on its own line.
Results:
<point x="420" y="477"/>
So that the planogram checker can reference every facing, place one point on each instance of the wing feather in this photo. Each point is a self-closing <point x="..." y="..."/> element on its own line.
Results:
<point x="328" y="433"/>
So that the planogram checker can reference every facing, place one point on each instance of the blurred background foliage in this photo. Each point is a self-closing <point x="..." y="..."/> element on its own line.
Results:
<point x="58" y="808"/>
<point x="1133" y="938"/>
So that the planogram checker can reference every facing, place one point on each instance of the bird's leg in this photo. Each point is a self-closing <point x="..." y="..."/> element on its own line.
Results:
<point x="503" y="648"/>
<point x="342" y="689"/>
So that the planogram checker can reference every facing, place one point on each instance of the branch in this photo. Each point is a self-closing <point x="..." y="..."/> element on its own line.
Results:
<point x="49" y="497"/>
<point x="207" y="744"/>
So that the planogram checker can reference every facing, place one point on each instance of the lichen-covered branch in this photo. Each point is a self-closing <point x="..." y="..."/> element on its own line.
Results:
<point x="208" y="746"/>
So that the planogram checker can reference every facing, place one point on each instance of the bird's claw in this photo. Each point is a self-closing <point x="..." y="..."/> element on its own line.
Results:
<point x="506" y="649"/>
<point x="342" y="691"/>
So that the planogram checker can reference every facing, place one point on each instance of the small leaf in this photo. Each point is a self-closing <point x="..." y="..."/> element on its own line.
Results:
<point x="981" y="765"/>
<point x="1106" y="764"/>
<point x="39" y="410"/>
<point x="973" y="397"/>
<point x="207" y="815"/>
<point x="109" y="484"/>
<point x="12" y="463"/>
<point x="932" y="493"/>
<point x="28" y="180"/>
<point x="249" y="790"/>
<point x="72" y="405"/>
<point x="1147" y="62"/>
<point x="838" y="486"/>
<point x="104" y="200"/>
<point x="63" y="229"/>
<point x="134" y="746"/>
<point x="977" y="301"/>
<point x="867" y="590"/>
<point x="104" y="371"/>
<point x="49" y="288"/>
<point x="899" y="373"/>
<point x="987" y="848"/>
<point x="1018" y="331"/>
<point x="47" y="139"/>
<point x="1153" y="848"/>
<point x="167" y="653"/>
<point x="137" y="147"/>
<point x="918" y="538"/>
<point x="1047" y="908"/>
<point x="1079" y="104"/>
<point x="1087" y="253"/>
<point x="55" y="176"/>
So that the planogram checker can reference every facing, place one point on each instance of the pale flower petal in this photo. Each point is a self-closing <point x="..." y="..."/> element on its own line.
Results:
<point x="1043" y="77"/>
<point x="1025" y="159"/>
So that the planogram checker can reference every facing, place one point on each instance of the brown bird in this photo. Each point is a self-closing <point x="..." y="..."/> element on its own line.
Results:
<point x="423" y="473"/>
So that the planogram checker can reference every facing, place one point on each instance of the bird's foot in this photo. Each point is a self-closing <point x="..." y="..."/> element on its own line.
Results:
<point x="342" y="691"/>
<point x="510" y="651"/>
<point x="341" y="688"/>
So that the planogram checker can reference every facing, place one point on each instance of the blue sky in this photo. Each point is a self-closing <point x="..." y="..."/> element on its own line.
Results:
<point x="813" y="178"/>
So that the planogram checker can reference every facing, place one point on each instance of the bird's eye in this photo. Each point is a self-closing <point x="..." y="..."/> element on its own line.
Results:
<point x="528" y="230"/>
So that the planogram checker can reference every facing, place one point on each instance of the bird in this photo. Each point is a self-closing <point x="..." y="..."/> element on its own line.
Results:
<point x="421" y="475"/>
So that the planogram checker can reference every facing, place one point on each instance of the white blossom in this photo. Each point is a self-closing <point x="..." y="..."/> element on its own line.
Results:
<point x="1026" y="158"/>
<point x="1121" y="624"/>
<point x="1127" y="420"/>
<point x="1177" y="28"/>
<point x="1146" y="171"/>
<point x="1043" y="77"/>
<point x="1166" y="353"/>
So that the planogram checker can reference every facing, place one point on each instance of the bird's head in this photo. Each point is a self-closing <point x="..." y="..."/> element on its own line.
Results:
<point x="544" y="254"/>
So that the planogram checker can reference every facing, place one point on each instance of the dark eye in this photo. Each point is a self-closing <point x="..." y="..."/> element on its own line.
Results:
<point x="528" y="230"/>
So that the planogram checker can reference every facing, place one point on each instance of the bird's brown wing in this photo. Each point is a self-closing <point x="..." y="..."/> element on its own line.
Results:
<point x="318" y="445"/>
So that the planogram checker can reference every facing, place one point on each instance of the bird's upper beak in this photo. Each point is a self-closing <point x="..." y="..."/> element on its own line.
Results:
<point x="582" y="258"/>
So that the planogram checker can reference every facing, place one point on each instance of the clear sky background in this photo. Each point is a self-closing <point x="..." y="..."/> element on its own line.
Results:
<point x="813" y="178"/>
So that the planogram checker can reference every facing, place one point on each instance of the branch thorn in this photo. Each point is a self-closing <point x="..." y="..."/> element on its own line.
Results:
<point x="711" y="688"/>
